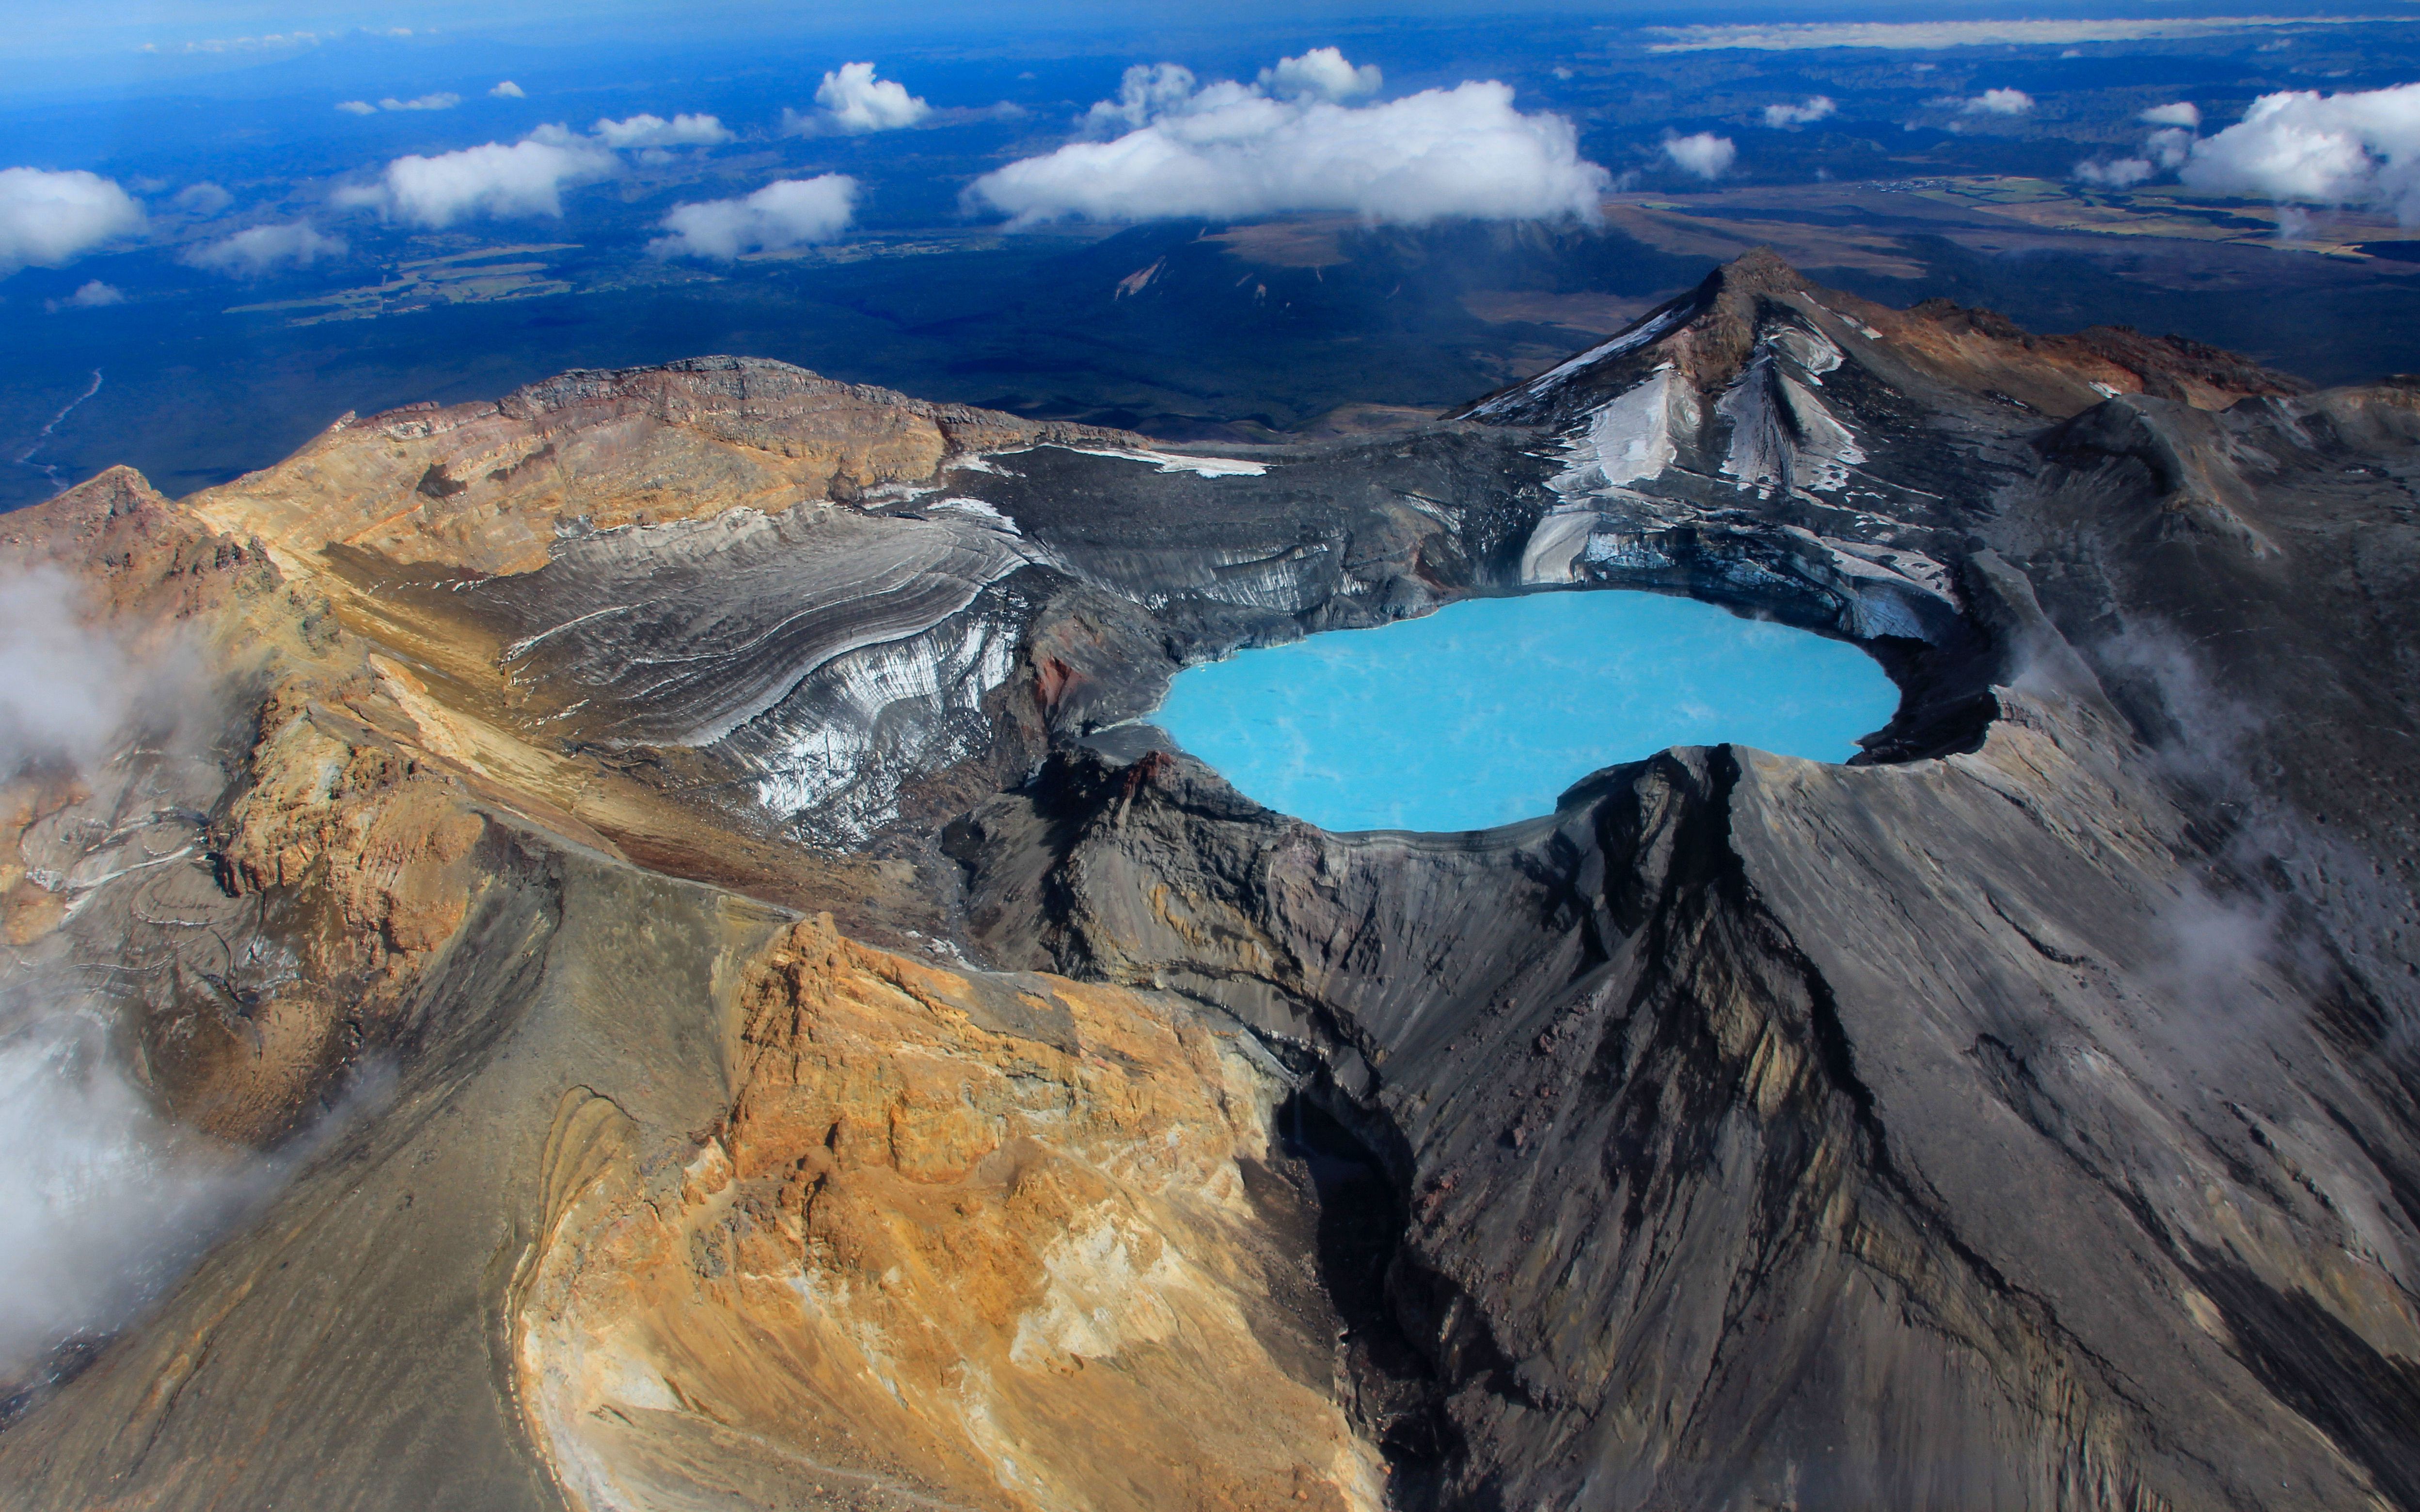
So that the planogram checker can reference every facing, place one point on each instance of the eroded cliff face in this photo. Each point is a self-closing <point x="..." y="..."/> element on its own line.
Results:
<point x="957" y="1235"/>
<point x="740" y="1015"/>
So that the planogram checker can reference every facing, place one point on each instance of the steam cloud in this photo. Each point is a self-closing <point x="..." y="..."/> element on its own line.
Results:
<point x="2304" y="147"/>
<point x="1704" y="154"/>
<point x="526" y="178"/>
<point x="790" y="212"/>
<point x="265" y="249"/>
<point x="2283" y="904"/>
<point x="51" y="218"/>
<point x="67" y="689"/>
<point x="102" y="1200"/>
<point x="1229" y="149"/>
<point x="855" y="101"/>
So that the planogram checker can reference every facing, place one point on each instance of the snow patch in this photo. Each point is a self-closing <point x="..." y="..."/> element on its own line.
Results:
<point x="1556" y="545"/>
<point x="1630" y="340"/>
<point x="1811" y="350"/>
<point x="1140" y="279"/>
<point x="880" y="715"/>
<point x="1629" y="437"/>
<point x="979" y="510"/>
<point x="1208" y="467"/>
<point x="1883" y="591"/>
<point x="1782" y="436"/>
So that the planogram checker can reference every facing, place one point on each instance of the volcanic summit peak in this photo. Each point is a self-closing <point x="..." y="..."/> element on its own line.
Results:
<point x="1711" y="334"/>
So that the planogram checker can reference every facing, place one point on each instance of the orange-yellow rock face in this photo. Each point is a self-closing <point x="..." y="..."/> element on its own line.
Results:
<point x="975" y="1239"/>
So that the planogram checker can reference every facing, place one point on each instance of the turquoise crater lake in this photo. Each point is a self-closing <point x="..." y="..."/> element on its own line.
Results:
<point x="1485" y="711"/>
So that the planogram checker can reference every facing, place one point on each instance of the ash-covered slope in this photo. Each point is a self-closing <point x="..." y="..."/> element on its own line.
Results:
<point x="2018" y="1116"/>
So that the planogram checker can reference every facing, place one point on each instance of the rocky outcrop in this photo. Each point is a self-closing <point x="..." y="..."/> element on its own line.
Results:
<point x="144" y="561"/>
<point x="955" y="1232"/>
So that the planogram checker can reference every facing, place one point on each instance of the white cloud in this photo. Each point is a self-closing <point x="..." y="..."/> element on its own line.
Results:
<point x="509" y="90"/>
<point x="2116" y="173"/>
<point x="526" y="178"/>
<point x="1149" y="90"/>
<point x="265" y="248"/>
<point x="1321" y="73"/>
<point x="1999" y="103"/>
<point x="855" y="101"/>
<point x="1815" y="108"/>
<point x="1927" y="35"/>
<point x="656" y="132"/>
<point x="244" y="44"/>
<point x="791" y="212"/>
<point x="1704" y="154"/>
<point x="2171" y="147"/>
<point x="2360" y="148"/>
<point x="204" y="199"/>
<point x="1228" y="149"/>
<point x="438" y="101"/>
<point x="50" y="219"/>
<point x="2164" y="150"/>
<point x="91" y="296"/>
<point x="2183" y="113"/>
